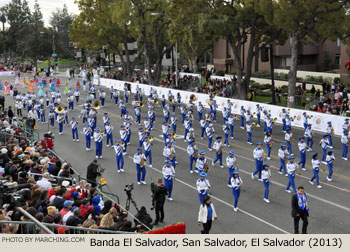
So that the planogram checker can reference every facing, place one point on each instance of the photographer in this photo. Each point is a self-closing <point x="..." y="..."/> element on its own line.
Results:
<point x="159" y="192"/>
<point x="47" y="142"/>
<point x="92" y="172"/>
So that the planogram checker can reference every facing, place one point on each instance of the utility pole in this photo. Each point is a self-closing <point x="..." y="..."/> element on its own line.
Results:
<point x="272" y="68"/>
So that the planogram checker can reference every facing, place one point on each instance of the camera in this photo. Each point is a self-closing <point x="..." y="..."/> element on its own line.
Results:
<point x="50" y="135"/>
<point x="128" y="188"/>
<point x="9" y="194"/>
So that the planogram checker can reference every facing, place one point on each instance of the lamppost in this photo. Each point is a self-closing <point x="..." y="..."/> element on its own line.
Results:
<point x="176" y="68"/>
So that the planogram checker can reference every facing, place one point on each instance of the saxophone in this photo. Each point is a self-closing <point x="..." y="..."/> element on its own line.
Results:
<point x="271" y="143"/>
<point x="195" y="154"/>
<point x="171" y="155"/>
<point x="220" y="150"/>
<point x="206" y="166"/>
<point x="142" y="163"/>
<point x="332" y="132"/>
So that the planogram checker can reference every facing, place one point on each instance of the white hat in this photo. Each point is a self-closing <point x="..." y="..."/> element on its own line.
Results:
<point x="3" y="150"/>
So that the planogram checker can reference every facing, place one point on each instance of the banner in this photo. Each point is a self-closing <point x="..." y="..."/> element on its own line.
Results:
<point x="216" y="77"/>
<point x="318" y="120"/>
<point x="7" y="73"/>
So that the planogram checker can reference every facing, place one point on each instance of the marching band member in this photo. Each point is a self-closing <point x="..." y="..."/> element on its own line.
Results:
<point x="265" y="119"/>
<point x="288" y="122"/>
<point x="236" y="184"/>
<point x="305" y="120"/>
<point x="42" y="113"/>
<point x="231" y="163"/>
<point x="330" y="132"/>
<point x="324" y="145"/>
<point x="249" y="131"/>
<point x="291" y="168"/>
<point x="140" y="160"/>
<point x="105" y="119"/>
<point x="203" y="186"/>
<point x="70" y="101"/>
<point x="118" y="148"/>
<point x="92" y="90"/>
<point x="103" y="98"/>
<point x="141" y="134"/>
<point x="87" y="133"/>
<point x="269" y="123"/>
<point x="203" y="124"/>
<point x="138" y="94"/>
<point x="148" y="125"/>
<point x="192" y="152"/>
<point x="183" y="112"/>
<point x="137" y="110"/>
<point x="52" y="118"/>
<point x="152" y="116"/>
<point x="147" y="148"/>
<point x="126" y="94"/>
<point x="173" y="121"/>
<point x="122" y="108"/>
<point x="315" y="169"/>
<point x="91" y="122"/>
<point x="226" y="129"/>
<point x="345" y="142"/>
<point x="242" y="116"/>
<point x="84" y="114"/>
<point x="268" y="142"/>
<point x="190" y="135"/>
<point x="77" y="95"/>
<point x="124" y="137"/>
<point x="330" y="160"/>
<point x="283" y="153"/>
<point x="214" y="108"/>
<point x="109" y="134"/>
<point x="231" y="123"/>
<point x="169" y="153"/>
<point x="209" y="133"/>
<point x="178" y="98"/>
<point x="289" y="138"/>
<point x="225" y="114"/>
<point x="98" y="142"/>
<point x="259" y="156"/>
<point x="60" y="119"/>
<point x="168" y="176"/>
<point x="165" y="130"/>
<point x="218" y="150"/>
<point x="188" y="125"/>
<point x="166" y="114"/>
<point x="116" y="95"/>
<point x="248" y="116"/>
<point x="309" y="137"/>
<point x="74" y="124"/>
<point x="201" y="162"/>
<point x="266" y="178"/>
<point x="284" y="116"/>
<point x="258" y="114"/>
<point x="200" y="110"/>
<point x="302" y="152"/>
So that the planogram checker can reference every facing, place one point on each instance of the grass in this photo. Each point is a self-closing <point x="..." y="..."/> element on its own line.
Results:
<point x="65" y="62"/>
<point x="267" y="99"/>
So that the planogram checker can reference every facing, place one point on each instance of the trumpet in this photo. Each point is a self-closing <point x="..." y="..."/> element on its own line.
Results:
<point x="96" y="104"/>
<point x="193" y="98"/>
<point x="150" y="138"/>
<point x="173" y="135"/>
<point x="59" y="109"/>
<point x="212" y="95"/>
<point x="274" y="119"/>
<point x="254" y="124"/>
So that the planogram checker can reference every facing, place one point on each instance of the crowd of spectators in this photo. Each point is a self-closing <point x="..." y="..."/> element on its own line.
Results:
<point x="44" y="187"/>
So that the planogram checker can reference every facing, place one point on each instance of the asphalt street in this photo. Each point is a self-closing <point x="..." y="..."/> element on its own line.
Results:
<point x="329" y="206"/>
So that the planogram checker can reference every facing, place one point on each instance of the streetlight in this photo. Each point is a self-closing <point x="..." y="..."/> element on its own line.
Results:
<point x="53" y="50"/>
<point x="176" y="69"/>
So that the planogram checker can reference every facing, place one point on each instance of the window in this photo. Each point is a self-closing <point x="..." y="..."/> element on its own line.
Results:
<point x="337" y="59"/>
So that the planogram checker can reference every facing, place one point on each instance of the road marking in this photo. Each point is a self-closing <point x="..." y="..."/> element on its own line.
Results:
<point x="226" y="203"/>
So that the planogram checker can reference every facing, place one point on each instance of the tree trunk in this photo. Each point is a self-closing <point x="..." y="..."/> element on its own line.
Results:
<point x="256" y="61"/>
<point x="193" y="63"/>
<point x="292" y="75"/>
<point x="127" y="55"/>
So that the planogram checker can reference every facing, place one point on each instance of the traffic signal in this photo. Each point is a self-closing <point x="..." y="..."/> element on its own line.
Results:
<point x="264" y="53"/>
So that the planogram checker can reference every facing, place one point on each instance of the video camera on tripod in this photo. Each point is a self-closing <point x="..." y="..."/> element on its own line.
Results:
<point x="128" y="188"/>
<point x="9" y="194"/>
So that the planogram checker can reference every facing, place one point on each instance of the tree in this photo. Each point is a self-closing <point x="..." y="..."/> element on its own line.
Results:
<point x="153" y="39"/>
<point x="305" y="21"/>
<point x="105" y="23"/>
<point x="188" y="29"/>
<point x="60" y="19"/>
<point x="242" y="23"/>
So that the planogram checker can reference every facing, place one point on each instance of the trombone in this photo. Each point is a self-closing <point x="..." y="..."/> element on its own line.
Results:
<point x="173" y="135"/>
<point x="193" y="98"/>
<point x="140" y="104"/>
